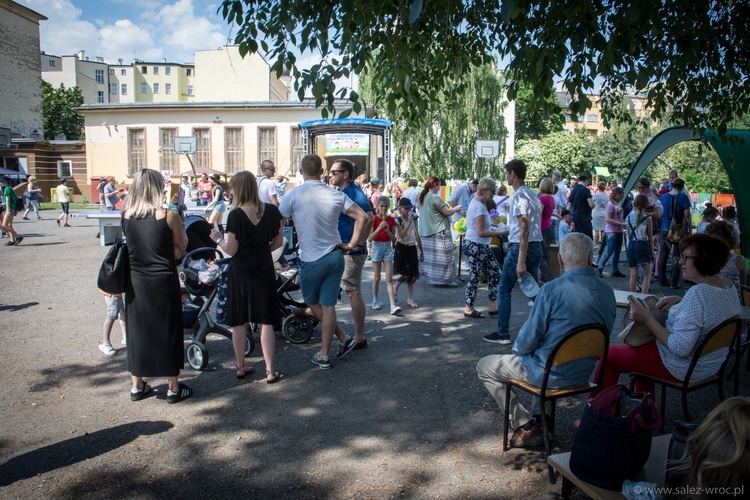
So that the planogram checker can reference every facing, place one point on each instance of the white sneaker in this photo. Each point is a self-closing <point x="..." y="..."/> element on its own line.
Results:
<point x="395" y="309"/>
<point x="376" y="305"/>
<point x="107" y="348"/>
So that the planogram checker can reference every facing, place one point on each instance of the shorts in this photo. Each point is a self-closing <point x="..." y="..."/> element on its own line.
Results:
<point x="351" y="281"/>
<point x="320" y="279"/>
<point x="381" y="251"/>
<point x="115" y="307"/>
<point x="220" y="207"/>
<point x="65" y="207"/>
<point x="639" y="253"/>
<point x="12" y="212"/>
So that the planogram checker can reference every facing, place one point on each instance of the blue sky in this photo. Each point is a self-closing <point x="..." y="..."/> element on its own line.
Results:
<point x="128" y="29"/>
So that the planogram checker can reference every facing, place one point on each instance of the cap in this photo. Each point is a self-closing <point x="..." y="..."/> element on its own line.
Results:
<point x="215" y="177"/>
<point x="565" y="212"/>
<point x="184" y="176"/>
<point x="374" y="180"/>
<point x="405" y="202"/>
<point x="573" y="177"/>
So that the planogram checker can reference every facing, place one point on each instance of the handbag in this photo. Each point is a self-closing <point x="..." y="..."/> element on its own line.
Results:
<point x="676" y="229"/>
<point x="114" y="273"/>
<point x="636" y="334"/>
<point x="613" y="442"/>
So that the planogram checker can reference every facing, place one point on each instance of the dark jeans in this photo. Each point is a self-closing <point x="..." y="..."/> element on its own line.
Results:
<point x="614" y="245"/>
<point x="548" y="238"/>
<point x="665" y="249"/>
<point x="508" y="279"/>
<point x="585" y="227"/>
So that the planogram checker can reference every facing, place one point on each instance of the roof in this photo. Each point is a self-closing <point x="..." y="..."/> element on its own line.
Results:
<point x="22" y="11"/>
<point x="373" y="126"/>
<point x="308" y="103"/>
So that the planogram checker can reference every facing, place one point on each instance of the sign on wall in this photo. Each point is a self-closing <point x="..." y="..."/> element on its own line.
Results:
<point x="348" y="144"/>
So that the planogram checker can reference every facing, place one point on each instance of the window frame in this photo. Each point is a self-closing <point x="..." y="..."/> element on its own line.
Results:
<point x="123" y="89"/>
<point x="168" y="158"/>
<point x="264" y="156"/>
<point x="132" y="168"/>
<point x="202" y="156"/>
<point x="234" y="154"/>
<point x="144" y="88"/>
<point x="61" y="169"/>
<point x="155" y="86"/>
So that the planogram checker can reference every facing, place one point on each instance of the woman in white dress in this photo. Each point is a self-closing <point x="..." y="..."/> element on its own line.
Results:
<point x="601" y="199"/>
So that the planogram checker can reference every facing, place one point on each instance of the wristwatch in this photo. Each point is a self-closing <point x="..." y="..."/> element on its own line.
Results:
<point x="353" y="247"/>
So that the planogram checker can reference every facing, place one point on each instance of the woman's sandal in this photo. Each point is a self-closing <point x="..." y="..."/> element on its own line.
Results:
<point x="473" y="314"/>
<point x="183" y="392"/>
<point x="412" y="304"/>
<point x="244" y="370"/>
<point x="276" y="376"/>
<point x="140" y="394"/>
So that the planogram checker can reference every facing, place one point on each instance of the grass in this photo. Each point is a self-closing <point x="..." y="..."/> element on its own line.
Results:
<point x="49" y="205"/>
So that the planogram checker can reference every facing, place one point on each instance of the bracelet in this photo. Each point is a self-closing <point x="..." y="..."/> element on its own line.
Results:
<point x="219" y="240"/>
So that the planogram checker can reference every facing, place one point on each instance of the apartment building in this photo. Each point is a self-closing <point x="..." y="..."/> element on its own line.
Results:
<point x="91" y="77"/>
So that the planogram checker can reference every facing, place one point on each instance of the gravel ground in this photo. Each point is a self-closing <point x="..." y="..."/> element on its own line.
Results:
<point x="406" y="417"/>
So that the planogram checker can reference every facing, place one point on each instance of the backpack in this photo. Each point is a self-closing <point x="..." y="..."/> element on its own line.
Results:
<point x="18" y="203"/>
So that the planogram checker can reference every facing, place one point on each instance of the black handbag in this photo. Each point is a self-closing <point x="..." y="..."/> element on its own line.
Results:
<point x="613" y="442"/>
<point x="114" y="273"/>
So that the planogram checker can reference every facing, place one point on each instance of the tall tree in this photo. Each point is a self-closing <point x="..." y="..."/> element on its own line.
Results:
<point x="532" y="122"/>
<point x="691" y="58"/>
<point x="556" y="151"/>
<point x="60" y="114"/>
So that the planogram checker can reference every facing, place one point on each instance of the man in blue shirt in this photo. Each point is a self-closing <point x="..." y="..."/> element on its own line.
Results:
<point x="675" y="205"/>
<point x="577" y="298"/>
<point x="342" y="176"/>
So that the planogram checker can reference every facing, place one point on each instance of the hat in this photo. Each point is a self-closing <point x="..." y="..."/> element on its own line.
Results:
<point x="565" y="212"/>
<point x="573" y="177"/>
<point x="184" y="176"/>
<point x="405" y="202"/>
<point x="215" y="177"/>
<point x="374" y="180"/>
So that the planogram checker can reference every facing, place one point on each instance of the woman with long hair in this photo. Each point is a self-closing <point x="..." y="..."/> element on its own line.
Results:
<point x="217" y="206"/>
<point x="251" y="294"/>
<point x="546" y="197"/>
<point x="435" y="232"/>
<point x="153" y="305"/>
<point x="613" y="231"/>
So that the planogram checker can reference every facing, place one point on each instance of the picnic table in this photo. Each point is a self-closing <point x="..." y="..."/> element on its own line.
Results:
<point x="109" y="222"/>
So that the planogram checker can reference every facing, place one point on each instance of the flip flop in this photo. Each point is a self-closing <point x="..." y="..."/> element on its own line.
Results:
<point x="474" y="314"/>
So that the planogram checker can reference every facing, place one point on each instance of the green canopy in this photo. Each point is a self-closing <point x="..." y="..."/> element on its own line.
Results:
<point x="602" y="171"/>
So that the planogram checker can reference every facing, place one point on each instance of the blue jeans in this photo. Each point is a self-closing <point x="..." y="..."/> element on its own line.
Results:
<point x="614" y="245"/>
<point x="509" y="277"/>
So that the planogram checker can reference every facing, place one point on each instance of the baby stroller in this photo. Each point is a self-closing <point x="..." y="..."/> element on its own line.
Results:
<point x="200" y="289"/>
<point x="296" y="328"/>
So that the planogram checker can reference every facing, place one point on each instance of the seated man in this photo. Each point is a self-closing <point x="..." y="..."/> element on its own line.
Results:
<point x="577" y="298"/>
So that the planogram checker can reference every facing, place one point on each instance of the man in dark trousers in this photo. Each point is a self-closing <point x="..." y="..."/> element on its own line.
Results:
<point x="580" y="203"/>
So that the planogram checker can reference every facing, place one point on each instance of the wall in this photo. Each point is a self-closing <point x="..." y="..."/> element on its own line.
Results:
<point x="222" y="75"/>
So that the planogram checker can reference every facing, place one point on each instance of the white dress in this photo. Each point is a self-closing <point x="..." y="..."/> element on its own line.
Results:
<point x="600" y="208"/>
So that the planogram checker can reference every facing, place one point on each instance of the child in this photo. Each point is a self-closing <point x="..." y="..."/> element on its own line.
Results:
<point x="566" y="225"/>
<point x="405" y="253"/>
<point x="12" y="206"/>
<point x="115" y="311"/>
<point x="382" y="238"/>
<point x="709" y="215"/>
<point x="63" y="196"/>
<point x="640" y="252"/>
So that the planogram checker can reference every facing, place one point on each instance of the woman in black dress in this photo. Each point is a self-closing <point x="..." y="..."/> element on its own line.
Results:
<point x="254" y="230"/>
<point x="153" y="307"/>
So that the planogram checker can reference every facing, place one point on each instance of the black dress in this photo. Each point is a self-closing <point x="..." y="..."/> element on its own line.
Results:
<point x="251" y="293"/>
<point x="153" y="307"/>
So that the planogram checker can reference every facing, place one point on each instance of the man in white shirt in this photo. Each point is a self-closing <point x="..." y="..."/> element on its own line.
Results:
<point x="524" y="249"/>
<point x="266" y="185"/>
<point x="561" y="199"/>
<point x="412" y="193"/>
<point x="315" y="209"/>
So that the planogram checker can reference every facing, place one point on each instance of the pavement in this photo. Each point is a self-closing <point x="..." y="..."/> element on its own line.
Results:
<point x="406" y="417"/>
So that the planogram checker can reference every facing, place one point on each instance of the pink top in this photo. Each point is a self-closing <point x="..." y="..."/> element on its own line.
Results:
<point x="548" y="206"/>
<point x="615" y="212"/>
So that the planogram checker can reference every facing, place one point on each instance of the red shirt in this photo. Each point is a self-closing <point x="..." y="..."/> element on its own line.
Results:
<point x="381" y="236"/>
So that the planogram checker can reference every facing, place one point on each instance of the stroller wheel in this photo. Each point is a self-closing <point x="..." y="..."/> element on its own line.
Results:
<point x="197" y="356"/>
<point x="250" y="344"/>
<point x="297" y="329"/>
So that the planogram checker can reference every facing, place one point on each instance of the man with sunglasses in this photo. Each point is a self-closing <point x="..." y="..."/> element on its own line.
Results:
<point x="266" y="185"/>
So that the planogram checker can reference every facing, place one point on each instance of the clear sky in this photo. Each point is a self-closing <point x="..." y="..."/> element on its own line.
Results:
<point x="131" y="29"/>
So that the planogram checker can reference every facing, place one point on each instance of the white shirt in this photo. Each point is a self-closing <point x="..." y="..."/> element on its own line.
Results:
<point x="461" y="196"/>
<point x="525" y="202"/>
<point x="561" y="197"/>
<point x="266" y="189"/>
<point x="315" y="209"/>
<point x="477" y="209"/>
<point x="412" y="194"/>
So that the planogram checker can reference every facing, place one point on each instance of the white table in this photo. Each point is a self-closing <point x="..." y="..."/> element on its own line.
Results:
<point x="109" y="224"/>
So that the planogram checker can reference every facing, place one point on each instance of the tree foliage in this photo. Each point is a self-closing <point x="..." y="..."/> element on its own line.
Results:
<point x="442" y="143"/>
<point x="690" y="58"/>
<point x="532" y="122"/>
<point x="617" y="151"/>
<point x="60" y="114"/>
<point x="556" y="151"/>
<point x="697" y="164"/>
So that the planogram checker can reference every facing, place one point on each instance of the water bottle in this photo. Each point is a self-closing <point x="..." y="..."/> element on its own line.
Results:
<point x="528" y="286"/>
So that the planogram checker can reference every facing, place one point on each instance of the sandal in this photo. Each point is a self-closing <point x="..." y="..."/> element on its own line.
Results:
<point x="244" y="370"/>
<point x="276" y="376"/>
<point x="183" y="393"/>
<point x="412" y="304"/>
<point x="140" y="393"/>
<point x="473" y="314"/>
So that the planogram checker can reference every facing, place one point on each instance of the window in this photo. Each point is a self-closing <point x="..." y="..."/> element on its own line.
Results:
<point x="124" y="89"/>
<point x="99" y="75"/>
<point x="144" y="88"/>
<point x="111" y="71"/>
<point x="203" y="148"/>
<point x="144" y="70"/>
<point x="52" y="63"/>
<point x="168" y="70"/>
<point x="566" y="102"/>
<point x="592" y="118"/>
<point x="167" y="88"/>
<point x="156" y="70"/>
<point x="189" y="72"/>
<point x="123" y="72"/>
<point x="136" y="150"/>
<point x="167" y="155"/>
<point x="156" y="88"/>
<point x="113" y="88"/>
<point x="190" y="90"/>
<point x="100" y="97"/>
<point x="297" y="149"/>
<point x="65" y="170"/>
<point x="233" y="148"/>
<point x="266" y="144"/>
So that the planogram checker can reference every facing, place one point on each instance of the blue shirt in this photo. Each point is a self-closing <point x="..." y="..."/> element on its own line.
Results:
<point x="575" y="299"/>
<point x="346" y="223"/>
<point x="683" y="203"/>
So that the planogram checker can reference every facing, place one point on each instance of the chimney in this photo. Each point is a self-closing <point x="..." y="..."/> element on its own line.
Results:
<point x="164" y="60"/>
<point x="99" y="59"/>
<point x="81" y="54"/>
<point x="119" y="61"/>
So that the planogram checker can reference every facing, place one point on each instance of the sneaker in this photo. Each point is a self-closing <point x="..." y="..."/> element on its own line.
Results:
<point x="599" y="272"/>
<point x="376" y="305"/>
<point x="617" y="274"/>
<point x="344" y="348"/>
<point x="495" y="338"/>
<point x="107" y="348"/>
<point x="521" y="438"/>
<point x="395" y="309"/>
<point x="360" y="345"/>
<point x="67" y="225"/>
<point x="19" y="240"/>
<point x="58" y="222"/>
<point x="25" y="218"/>
<point x="10" y="243"/>
<point x="324" y="364"/>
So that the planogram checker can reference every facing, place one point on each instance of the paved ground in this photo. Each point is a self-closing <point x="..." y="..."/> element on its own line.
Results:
<point x="406" y="417"/>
